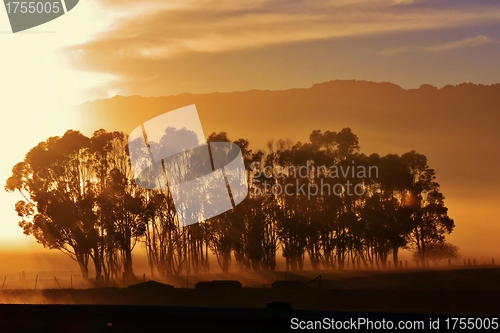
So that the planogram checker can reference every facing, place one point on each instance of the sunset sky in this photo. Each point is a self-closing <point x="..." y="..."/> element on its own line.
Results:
<point x="104" y="48"/>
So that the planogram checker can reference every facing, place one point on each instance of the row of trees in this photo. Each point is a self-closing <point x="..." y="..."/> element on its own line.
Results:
<point x="81" y="199"/>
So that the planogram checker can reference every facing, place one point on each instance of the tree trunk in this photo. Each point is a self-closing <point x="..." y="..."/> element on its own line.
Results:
<point x="97" y="266"/>
<point x="83" y="269"/>
<point x="395" y="256"/>
<point x="127" y="264"/>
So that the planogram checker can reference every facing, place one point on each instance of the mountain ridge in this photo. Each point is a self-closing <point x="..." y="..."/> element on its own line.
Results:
<point x="424" y="86"/>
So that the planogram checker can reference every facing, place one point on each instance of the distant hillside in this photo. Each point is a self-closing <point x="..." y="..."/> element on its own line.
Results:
<point x="455" y="126"/>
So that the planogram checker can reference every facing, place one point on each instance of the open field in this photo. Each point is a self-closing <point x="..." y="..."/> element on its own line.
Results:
<point x="472" y="291"/>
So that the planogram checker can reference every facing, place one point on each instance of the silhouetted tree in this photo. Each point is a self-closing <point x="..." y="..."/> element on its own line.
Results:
<point x="55" y="179"/>
<point x="429" y="216"/>
<point x="81" y="198"/>
<point x="166" y="239"/>
<point x="72" y="185"/>
<point x="439" y="251"/>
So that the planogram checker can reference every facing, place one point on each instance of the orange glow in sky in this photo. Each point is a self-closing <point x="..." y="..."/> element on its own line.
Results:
<point x="104" y="48"/>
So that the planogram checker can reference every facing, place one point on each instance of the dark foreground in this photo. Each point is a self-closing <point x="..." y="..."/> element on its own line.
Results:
<point x="102" y="318"/>
<point x="155" y="307"/>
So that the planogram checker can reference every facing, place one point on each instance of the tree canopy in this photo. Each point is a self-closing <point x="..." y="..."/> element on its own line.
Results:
<point x="321" y="201"/>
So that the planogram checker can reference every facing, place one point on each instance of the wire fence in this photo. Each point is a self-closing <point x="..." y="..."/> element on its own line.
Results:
<point x="43" y="280"/>
<point x="74" y="280"/>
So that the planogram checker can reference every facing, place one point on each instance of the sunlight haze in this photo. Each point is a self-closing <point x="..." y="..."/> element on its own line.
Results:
<point x="105" y="48"/>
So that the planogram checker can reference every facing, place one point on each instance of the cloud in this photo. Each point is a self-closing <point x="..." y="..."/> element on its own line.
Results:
<point x="469" y="42"/>
<point x="153" y="36"/>
<point x="221" y="26"/>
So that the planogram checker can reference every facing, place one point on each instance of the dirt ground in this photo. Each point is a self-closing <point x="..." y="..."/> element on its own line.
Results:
<point x="444" y="291"/>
